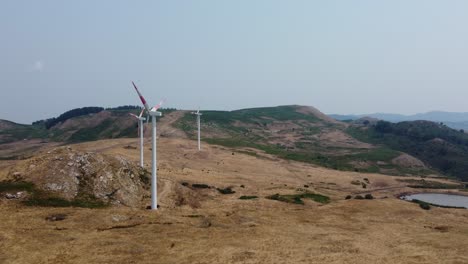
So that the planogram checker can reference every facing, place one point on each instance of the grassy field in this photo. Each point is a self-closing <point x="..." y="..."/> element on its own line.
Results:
<point x="202" y="225"/>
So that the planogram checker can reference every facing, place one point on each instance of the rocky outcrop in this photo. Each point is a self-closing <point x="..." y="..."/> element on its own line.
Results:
<point x="73" y="175"/>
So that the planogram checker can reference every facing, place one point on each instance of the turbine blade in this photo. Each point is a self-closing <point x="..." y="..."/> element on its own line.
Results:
<point x="156" y="107"/>
<point x="143" y="101"/>
<point x="133" y="115"/>
<point x="141" y="113"/>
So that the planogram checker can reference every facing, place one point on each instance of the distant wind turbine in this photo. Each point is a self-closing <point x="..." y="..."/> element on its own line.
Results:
<point x="140" y="130"/>
<point x="198" y="114"/>
<point x="153" y="112"/>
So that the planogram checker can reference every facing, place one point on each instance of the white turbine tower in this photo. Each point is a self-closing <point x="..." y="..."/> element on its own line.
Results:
<point x="140" y="130"/>
<point x="198" y="114"/>
<point x="153" y="112"/>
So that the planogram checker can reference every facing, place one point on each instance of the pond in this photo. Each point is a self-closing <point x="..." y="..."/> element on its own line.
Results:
<point x="439" y="199"/>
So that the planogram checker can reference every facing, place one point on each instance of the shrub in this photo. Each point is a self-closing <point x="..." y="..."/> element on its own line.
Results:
<point x="297" y="198"/>
<point x="429" y="184"/>
<point x="348" y="197"/>
<point x="227" y="190"/>
<point x="16" y="186"/>
<point x="425" y="206"/>
<point x="244" y="197"/>
<point x="60" y="202"/>
<point x="358" y="197"/>
<point x="41" y="198"/>
<point x="422" y="204"/>
<point x="369" y="196"/>
<point x="200" y="186"/>
<point x="279" y="197"/>
<point x="145" y="177"/>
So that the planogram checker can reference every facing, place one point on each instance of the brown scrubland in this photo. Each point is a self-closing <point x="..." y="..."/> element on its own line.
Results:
<point x="202" y="225"/>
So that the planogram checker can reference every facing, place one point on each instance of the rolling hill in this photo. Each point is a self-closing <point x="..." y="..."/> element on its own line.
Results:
<point x="77" y="125"/>
<point x="443" y="148"/>
<point x="293" y="132"/>
<point x="302" y="134"/>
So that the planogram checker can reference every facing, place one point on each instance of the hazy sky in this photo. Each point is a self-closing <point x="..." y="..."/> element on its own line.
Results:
<point x="339" y="56"/>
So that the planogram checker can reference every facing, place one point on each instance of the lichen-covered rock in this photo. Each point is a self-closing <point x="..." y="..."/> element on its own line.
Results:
<point x="71" y="175"/>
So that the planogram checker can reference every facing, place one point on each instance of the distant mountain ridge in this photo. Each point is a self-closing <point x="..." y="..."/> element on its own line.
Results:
<point x="455" y="120"/>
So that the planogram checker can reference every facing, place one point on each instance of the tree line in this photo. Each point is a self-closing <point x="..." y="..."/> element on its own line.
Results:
<point x="50" y="122"/>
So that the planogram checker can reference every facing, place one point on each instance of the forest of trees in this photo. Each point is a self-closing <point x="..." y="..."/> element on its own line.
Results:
<point x="50" y="122"/>
<point x="437" y="145"/>
<point x="423" y="131"/>
<point x="124" y="107"/>
<point x="70" y="114"/>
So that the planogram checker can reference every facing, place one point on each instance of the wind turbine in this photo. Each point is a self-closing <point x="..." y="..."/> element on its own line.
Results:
<point x="153" y="112"/>
<point x="198" y="114"/>
<point x="140" y="129"/>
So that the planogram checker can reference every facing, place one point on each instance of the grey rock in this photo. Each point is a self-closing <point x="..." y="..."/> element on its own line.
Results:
<point x="72" y="174"/>
<point x="119" y="218"/>
<point x="10" y="196"/>
<point x="56" y="217"/>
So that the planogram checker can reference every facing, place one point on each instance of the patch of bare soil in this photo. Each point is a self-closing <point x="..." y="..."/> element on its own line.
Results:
<point x="408" y="161"/>
<point x="23" y="149"/>
<point x="91" y="120"/>
<point x="166" y="128"/>
<point x="337" y="138"/>
<point x="361" y="164"/>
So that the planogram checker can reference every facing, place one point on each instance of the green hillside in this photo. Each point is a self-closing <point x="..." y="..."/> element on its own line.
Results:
<point x="443" y="148"/>
<point x="77" y="125"/>
<point x="291" y="133"/>
<point x="11" y="132"/>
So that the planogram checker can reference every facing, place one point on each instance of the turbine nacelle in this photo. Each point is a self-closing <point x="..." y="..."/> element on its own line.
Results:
<point x="139" y="117"/>
<point x="155" y="113"/>
<point x="197" y="113"/>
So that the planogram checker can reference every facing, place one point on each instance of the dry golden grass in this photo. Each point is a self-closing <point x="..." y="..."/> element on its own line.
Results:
<point x="204" y="226"/>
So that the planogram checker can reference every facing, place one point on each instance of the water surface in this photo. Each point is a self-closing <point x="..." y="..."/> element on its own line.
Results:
<point x="439" y="199"/>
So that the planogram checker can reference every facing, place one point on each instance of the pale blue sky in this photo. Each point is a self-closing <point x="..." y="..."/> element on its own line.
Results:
<point x="343" y="57"/>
